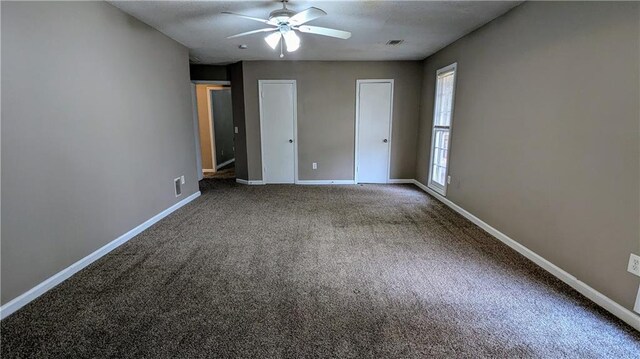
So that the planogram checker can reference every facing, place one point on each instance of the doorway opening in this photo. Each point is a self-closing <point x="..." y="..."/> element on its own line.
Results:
<point x="215" y="143"/>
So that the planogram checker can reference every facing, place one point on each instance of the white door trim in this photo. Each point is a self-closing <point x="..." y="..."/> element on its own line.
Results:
<point x="295" y="125"/>
<point x="355" y="168"/>
<point x="212" y="132"/>
<point x="196" y="129"/>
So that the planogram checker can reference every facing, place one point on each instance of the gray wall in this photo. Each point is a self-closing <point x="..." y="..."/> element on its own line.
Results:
<point x="96" y="124"/>
<point x="326" y="113"/>
<point x="222" y="124"/>
<point x="237" y="101"/>
<point x="545" y="143"/>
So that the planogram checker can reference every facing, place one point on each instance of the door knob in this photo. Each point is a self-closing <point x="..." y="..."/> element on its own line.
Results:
<point x="290" y="141"/>
<point x="385" y="140"/>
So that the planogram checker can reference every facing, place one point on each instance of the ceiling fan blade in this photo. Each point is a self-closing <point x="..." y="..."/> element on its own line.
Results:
<point x="247" y="17"/>
<point x="253" y="32"/>
<point x="307" y="15"/>
<point x="324" y="31"/>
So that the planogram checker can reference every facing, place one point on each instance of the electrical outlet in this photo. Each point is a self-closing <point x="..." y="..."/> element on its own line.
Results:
<point x="634" y="264"/>
<point x="314" y="166"/>
<point x="235" y="129"/>
<point x="448" y="179"/>
<point x="182" y="179"/>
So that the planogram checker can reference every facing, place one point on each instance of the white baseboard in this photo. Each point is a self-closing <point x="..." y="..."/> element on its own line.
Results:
<point x="225" y="163"/>
<point x="636" y="307"/>
<point x="324" y="182"/>
<point x="59" y="277"/>
<point x="600" y="299"/>
<point x="250" y="182"/>
<point x="208" y="170"/>
<point x="400" y="180"/>
<point x="318" y="182"/>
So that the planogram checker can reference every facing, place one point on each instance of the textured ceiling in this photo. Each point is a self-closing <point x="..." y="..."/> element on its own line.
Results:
<point x="424" y="26"/>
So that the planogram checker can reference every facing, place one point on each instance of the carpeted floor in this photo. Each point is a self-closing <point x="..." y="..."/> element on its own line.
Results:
<point x="373" y="271"/>
<point x="227" y="172"/>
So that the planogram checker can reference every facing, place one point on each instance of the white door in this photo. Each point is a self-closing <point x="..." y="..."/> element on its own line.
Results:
<point x="373" y="130"/>
<point x="278" y="130"/>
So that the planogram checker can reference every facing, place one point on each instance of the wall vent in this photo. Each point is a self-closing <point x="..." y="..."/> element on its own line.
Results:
<point x="178" y="186"/>
<point x="394" y="42"/>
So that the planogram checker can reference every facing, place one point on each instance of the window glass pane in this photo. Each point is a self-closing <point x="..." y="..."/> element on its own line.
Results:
<point x="444" y="100"/>
<point x="442" y="161"/>
<point x="437" y="157"/>
<point x="441" y="139"/>
<point x="436" y="174"/>
<point x="439" y="107"/>
<point x="447" y="101"/>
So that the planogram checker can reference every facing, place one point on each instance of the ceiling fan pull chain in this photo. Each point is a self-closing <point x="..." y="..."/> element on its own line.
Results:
<point x="281" y="54"/>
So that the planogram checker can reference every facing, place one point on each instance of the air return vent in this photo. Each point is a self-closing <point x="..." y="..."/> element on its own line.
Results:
<point x="394" y="42"/>
<point x="178" y="186"/>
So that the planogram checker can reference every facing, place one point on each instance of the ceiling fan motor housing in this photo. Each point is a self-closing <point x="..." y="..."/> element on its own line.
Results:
<point x="281" y="16"/>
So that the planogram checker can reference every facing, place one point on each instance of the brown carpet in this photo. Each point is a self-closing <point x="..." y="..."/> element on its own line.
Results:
<point x="228" y="172"/>
<point x="367" y="271"/>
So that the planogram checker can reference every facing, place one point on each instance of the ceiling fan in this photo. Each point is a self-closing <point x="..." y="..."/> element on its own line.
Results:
<point x="284" y="24"/>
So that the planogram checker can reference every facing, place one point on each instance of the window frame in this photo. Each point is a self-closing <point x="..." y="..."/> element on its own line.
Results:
<point x="437" y="187"/>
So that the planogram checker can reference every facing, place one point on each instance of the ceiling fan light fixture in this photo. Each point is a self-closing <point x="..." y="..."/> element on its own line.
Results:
<point x="273" y="39"/>
<point x="292" y="40"/>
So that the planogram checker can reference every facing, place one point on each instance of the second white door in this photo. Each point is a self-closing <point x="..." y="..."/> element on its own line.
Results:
<point x="278" y="130"/>
<point x="373" y="130"/>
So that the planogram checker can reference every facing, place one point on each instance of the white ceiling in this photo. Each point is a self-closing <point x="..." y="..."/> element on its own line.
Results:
<point x="425" y="27"/>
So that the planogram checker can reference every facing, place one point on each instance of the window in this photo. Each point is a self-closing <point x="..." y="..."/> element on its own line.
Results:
<point x="441" y="131"/>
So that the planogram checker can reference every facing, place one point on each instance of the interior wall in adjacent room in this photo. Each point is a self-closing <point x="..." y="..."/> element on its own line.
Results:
<point x="204" y="125"/>
<point x="222" y="112"/>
